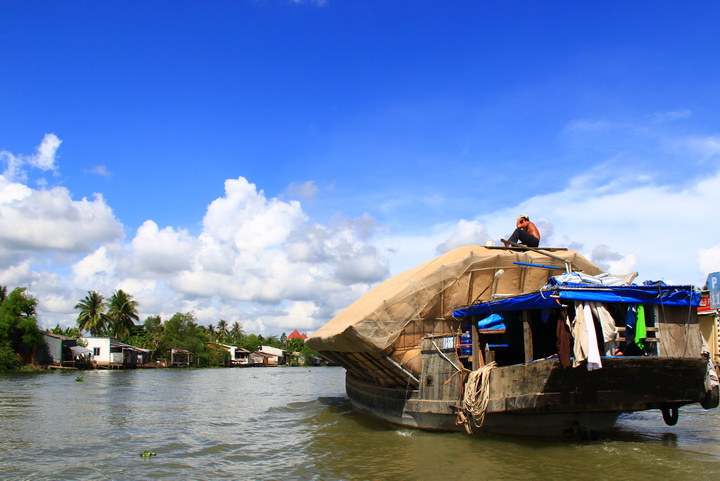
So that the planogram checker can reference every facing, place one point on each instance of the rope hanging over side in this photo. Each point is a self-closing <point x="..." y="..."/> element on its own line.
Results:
<point x="476" y="397"/>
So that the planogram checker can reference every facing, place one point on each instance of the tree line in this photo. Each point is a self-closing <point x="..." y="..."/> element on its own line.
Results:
<point x="117" y="316"/>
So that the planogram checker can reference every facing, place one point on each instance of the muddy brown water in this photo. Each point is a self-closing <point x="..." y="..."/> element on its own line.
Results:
<point x="297" y="424"/>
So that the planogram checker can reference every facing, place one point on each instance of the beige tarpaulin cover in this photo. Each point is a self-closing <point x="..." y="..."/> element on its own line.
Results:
<point x="433" y="289"/>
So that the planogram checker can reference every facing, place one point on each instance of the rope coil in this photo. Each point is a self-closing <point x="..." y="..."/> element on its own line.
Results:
<point x="476" y="397"/>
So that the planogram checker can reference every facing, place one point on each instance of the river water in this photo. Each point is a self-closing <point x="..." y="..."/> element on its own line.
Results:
<point x="297" y="424"/>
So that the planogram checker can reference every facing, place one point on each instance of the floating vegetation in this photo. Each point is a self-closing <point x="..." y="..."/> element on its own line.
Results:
<point x="147" y="454"/>
<point x="79" y="379"/>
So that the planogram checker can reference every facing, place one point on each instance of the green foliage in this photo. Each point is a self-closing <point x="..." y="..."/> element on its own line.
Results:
<point x="212" y="355"/>
<point x="8" y="359"/>
<point x="116" y="316"/>
<point x="295" y="345"/>
<point x="182" y="332"/>
<point x="19" y="333"/>
<point x="252" y="342"/>
<point x="73" y="332"/>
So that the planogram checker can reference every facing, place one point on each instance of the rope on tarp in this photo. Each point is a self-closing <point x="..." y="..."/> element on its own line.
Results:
<point x="476" y="397"/>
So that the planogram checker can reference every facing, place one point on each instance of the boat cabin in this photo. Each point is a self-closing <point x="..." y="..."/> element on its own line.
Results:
<point x="619" y="320"/>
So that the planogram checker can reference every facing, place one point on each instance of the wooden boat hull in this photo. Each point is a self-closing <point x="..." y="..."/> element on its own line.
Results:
<point x="539" y="398"/>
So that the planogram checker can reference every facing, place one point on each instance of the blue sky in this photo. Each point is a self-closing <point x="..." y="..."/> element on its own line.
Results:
<point x="267" y="162"/>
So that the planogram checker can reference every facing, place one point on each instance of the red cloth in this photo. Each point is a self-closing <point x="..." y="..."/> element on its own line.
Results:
<point x="564" y="340"/>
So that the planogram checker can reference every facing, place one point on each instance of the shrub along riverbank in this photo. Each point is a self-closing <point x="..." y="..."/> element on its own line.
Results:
<point x="20" y="336"/>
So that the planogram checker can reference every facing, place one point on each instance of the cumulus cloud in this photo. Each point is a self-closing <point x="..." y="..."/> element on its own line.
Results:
<point x="257" y="261"/>
<point x="43" y="159"/>
<point x="466" y="233"/>
<point x="263" y="262"/>
<point x="51" y="220"/>
<point x="158" y="252"/>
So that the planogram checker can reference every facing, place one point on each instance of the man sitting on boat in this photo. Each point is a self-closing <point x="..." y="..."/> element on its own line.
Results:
<point x="526" y="232"/>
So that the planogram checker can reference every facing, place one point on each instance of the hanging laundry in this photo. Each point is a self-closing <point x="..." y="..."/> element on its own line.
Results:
<point x="640" y="327"/>
<point x="630" y="321"/>
<point x="564" y="340"/>
<point x="593" y="353"/>
<point x="609" y="329"/>
<point x="579" y="334"/>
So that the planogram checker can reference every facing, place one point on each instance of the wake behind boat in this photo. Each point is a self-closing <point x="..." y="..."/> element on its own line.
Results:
<point x="519" y="340"/>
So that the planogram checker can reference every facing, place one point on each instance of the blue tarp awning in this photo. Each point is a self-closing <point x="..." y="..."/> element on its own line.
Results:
<point x="666" y="295"/>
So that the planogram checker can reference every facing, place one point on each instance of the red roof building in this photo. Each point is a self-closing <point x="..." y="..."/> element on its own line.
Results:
<point x="296" y="335"/>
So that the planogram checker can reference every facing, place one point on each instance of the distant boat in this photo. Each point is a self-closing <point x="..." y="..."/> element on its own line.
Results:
<point x="519" y="340"/>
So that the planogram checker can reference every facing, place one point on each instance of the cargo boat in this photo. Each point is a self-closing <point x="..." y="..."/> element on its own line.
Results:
<point x="519" y="340"/>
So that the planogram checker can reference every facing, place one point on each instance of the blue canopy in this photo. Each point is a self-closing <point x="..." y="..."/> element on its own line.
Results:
<point x="650" y="294"/>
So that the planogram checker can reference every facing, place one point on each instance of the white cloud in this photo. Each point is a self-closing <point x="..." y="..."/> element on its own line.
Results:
<point x="97" y="270"/>
<point x="161" y="252"/>
<point x="709" y="260"/>
<point x="245" y="219"/>
<point x="306" y="191"/>
<point x="707" y="147"/>
<point x="35" y="220"/>
<point x="252" y="252"/>
<point x="466" y="233"/>
<point x="261" y="261"/>
<point x="43" y="159"/>
<point x="100" y="170"/>
<point x="616" y="214"/>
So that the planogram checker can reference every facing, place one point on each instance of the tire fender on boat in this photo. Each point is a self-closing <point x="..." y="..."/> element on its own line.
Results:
<point x="670" y="415"/>
<point x="711" y="398"/>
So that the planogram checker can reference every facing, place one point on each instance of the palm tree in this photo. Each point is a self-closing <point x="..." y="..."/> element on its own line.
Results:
<point x="210" y="329"/>
<point x="222" y="329"/>
<point x="92" y="317"/>
<point x="236" y="332"/>
<point x="122" y="311"/>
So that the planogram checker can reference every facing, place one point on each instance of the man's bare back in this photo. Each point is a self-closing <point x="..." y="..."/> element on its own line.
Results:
<point x="526" y="233"/>
<point x="528" y="227"/>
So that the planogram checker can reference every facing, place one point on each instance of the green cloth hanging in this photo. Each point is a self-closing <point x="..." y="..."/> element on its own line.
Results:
<point x="640" y="327"/>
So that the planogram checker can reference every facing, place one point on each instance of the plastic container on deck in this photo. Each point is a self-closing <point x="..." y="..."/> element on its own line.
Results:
<point x="466" y="343"/>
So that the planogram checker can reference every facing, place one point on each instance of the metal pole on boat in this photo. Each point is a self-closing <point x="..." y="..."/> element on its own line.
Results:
<point x="498" y="275"/>
<point x="568" y="266"/>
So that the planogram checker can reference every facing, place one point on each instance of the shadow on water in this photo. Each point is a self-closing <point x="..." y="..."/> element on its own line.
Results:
<point x="345" y="444"/>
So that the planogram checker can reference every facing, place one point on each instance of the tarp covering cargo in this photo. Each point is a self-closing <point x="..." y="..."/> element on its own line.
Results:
<point x="432" y="290"/>
<point x="666" y="295"/>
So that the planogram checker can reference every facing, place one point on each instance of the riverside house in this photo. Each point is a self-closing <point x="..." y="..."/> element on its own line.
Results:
<point x="268" y="356"/>
<point x="109" y="353"/>
<point x="61" y="351"/>
<point x="238" y="355"/>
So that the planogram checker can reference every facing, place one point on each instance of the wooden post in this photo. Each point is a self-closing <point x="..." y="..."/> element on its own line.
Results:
<point x="477" y="357"/>
<point x="527" y="337"/>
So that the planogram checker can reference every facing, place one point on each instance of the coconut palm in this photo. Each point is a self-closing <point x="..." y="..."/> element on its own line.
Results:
<point x="210" y="330"/>
<point x="92" y="317"/>
<point x="236" y="332"/>
<point x="122" y="310"/>
<point x="222" y="330"/>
